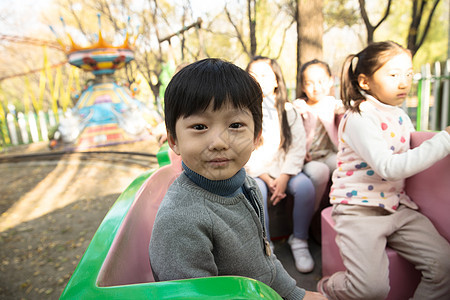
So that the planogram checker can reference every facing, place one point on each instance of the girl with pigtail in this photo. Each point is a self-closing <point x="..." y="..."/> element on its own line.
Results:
<point x="370" y="206"/>
<point x="321" y="114"/>
<point x="277" y="163"/>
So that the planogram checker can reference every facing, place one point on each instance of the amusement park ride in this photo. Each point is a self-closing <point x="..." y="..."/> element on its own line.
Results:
<point x="116" y="264"/>
<point x="106" y="113"/>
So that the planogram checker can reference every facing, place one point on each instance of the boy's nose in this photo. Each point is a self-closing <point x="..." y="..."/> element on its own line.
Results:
<point x="219" y="141"/>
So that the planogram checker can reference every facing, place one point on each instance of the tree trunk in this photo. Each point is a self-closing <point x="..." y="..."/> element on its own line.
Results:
<point x="251" y="7"/>
<point x="415" y="39"/>
<point x="309" y="19"/>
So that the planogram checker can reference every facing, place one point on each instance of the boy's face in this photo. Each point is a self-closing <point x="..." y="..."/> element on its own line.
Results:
<point x="215" y="144"/>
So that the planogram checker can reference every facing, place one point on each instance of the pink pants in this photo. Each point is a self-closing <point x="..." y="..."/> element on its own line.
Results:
<point x="362" y="234"/>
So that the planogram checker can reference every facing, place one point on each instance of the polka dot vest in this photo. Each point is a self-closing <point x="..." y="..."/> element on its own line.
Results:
<point x="354" y="181"/>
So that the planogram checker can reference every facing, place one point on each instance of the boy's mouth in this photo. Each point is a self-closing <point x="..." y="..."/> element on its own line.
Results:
<point x="219" y="161"/>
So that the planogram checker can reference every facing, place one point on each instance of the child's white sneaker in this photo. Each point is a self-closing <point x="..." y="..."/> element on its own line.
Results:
<point x="303" y="259"/>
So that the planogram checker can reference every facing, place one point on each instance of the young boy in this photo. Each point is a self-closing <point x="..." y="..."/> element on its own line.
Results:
<point x="211" y="221"/>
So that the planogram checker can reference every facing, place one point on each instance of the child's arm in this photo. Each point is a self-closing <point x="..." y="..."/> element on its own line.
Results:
<point x="364" y="136"/>
<point x="295" y="156"/>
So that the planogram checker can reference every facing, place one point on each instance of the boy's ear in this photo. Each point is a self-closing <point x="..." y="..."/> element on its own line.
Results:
<point x="172" y="143"/>
<point x="257" y="140"/>
<point x="363" y="82"/>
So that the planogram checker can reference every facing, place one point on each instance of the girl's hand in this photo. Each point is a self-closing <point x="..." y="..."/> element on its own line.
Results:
<point x="448" y="129"/>
<point x="314" y="296"/>
<point x="267" y="179"/>
<point x="308" y="157"/>
<point x="278" y="188"/>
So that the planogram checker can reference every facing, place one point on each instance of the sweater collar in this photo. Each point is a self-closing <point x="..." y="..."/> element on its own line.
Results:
<point x="226" y="188"/>
<point x="378" y="104"/>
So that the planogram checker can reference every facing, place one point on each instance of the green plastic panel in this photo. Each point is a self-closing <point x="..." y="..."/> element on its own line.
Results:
<point x="83" y="283"/>
<point x="163" y="155"/>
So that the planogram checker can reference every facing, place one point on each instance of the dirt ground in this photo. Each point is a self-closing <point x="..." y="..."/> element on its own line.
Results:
<point x="49" y="212"/>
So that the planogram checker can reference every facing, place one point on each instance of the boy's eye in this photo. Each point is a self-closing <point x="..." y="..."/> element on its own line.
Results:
<point x="199" y="127"/>
<point x="236" y="125"/>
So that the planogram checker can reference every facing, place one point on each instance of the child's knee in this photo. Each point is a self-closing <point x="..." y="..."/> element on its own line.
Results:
<point x="325" y="173"/>
<point x="318" y="172"/>
<point x="365" y="287"/>
<point x="374" y="287"/>
<point x="322" y="171"/>
<point x="440" y="270"/>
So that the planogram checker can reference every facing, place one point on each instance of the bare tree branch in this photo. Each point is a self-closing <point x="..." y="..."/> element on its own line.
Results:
<point x="413" y="33"/>
<point x="77" y="19"/>
<point x="370" y="28"/>
<point x="386" y="13"/>
<point x="238" y="33"/>
<point x="283" y="39"/>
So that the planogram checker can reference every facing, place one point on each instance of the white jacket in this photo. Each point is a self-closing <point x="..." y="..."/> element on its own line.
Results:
<point x="269" y="157"/>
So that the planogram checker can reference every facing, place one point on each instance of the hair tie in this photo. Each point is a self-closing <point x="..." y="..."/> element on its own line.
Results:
<point x="354" y="64"/>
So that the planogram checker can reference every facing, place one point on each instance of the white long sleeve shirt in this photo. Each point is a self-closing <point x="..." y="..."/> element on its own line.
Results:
<point x="269" y="158"/>
<point x="374" y="156"/>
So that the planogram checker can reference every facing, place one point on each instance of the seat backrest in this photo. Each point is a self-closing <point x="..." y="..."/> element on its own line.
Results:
<point x="128" y="261"/>
<point x="430" y="189"/>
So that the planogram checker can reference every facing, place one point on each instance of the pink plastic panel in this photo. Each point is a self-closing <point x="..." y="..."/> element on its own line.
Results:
<point x="430" y="189"/>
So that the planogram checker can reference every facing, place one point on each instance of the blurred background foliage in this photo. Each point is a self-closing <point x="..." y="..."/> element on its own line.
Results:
<point x="170" y="33"/>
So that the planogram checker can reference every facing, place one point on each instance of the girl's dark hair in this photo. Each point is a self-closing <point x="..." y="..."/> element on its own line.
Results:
<point x="305" y="66"/>
<point x="366" y="62"/>
<point x="280" y="100"/>
<point x="195" y="86"/>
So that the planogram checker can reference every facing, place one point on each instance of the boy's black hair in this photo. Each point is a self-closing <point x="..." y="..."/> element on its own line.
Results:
<point x="192" y="89"/>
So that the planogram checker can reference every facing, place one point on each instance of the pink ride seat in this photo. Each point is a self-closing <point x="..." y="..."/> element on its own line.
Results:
<point x="430" y="189"/>
<point x="128" y="261"/>
<point x="116" y="264"/>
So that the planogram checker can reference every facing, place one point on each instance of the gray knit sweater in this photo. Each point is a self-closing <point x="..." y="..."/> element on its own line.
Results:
<point x="199" y="234"/>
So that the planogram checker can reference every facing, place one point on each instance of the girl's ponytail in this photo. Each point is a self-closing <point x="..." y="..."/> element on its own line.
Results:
<point x="366" y="62"/>
<point x="350" y="92"/>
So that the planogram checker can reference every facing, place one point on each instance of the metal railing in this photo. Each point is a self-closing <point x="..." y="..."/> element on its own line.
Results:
<point x="433" y="97"/>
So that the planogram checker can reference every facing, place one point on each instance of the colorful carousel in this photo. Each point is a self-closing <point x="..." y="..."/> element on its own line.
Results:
<point x="106" y="113"/>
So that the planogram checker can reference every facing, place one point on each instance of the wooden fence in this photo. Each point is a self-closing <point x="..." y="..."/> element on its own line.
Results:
<point x="428" y="108"/>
